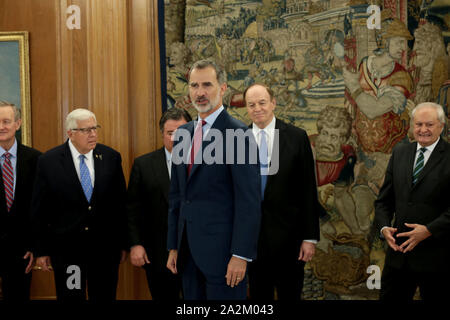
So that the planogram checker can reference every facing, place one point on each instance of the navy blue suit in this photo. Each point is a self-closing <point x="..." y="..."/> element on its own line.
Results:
<point x="218" y="207"/>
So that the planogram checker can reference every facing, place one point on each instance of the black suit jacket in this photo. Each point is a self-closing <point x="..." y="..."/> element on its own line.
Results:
<point x="15" y="224"/>
<point x="148" y="205"/>
<point x="61" y="214"/>
<point x="426" y="203"/>
<point x="289" y="209"/>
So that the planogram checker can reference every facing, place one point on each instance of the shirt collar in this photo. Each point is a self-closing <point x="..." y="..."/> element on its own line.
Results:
<point x="168" y="154"/>
<point x="12" y="150"/>
<point x="430" y="147"/>
<point x="76" y="154"/>
<point x="268" y="129"/>
<point x="212" y="117"/>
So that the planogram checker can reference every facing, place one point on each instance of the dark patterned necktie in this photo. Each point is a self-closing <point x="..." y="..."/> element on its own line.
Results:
<point x="419" y="165"/>
<point x="8" y="179"/>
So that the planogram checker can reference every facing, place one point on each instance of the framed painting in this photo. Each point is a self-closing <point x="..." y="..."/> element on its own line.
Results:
<point x="15" y="77"/>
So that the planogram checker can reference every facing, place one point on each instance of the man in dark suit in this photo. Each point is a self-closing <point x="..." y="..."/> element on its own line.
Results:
<point x="78" y="212"/>
<point x="214" y="206"/>
<point x="147" y="208"/>
<point x="290" y="219"/>
<point x="18" y="166"/>
<point x="416" y="193"/>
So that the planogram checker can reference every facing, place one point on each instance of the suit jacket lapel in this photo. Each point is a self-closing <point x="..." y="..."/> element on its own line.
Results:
<point x="435" y="158"/>
<point x="162" y="175"/>
<point x="276" y="149"/>
<point x="2" y="192"/>
<point x="98" y="170"/>
<point x="182" y="169"/>
<point x="409" y="168"/>
<point x="20" y="167"/>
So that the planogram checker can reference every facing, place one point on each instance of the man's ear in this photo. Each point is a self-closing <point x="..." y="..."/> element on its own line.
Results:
<point x="223" y="88"/>
<point x="18" y="124"/>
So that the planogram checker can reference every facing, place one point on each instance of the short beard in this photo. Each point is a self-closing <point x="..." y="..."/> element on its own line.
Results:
<point x="203" y="109"/>
<point x="212" y="104"/>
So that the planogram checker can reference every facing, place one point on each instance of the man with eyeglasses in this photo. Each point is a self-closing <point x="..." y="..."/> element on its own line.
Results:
<point x="78" y="212"/>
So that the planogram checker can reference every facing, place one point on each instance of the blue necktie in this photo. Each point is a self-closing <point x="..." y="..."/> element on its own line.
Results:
<point x="419" y="165"/>
<point x="264" y="161"/>
<point x="85" y="179"/>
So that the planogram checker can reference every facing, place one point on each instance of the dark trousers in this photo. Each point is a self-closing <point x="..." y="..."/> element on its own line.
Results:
<point x="15" y="283"/>
<point x="163" y="284"/>
<point x="401" y="285"/>
<point x="198" y="285"/>
<point x="93" y="266"/>
<point x="269" y="274"/>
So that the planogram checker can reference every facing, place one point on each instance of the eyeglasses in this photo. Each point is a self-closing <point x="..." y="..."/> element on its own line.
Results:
<point x="87" y="130"/>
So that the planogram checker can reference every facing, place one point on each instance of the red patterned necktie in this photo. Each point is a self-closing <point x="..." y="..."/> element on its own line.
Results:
<point x="196" y="143"/>
<point x="8" y="180"/>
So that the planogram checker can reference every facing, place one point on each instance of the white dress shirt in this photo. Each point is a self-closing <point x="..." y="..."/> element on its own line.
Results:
<point x="270" y="136"/>
<point x="89" y="161"/>
<point x="168" y="161"/>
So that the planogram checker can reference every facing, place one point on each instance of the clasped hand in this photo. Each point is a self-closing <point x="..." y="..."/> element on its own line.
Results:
<point x="415" y="236"/>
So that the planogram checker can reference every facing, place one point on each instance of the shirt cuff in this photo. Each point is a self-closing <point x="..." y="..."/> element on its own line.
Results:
<point x="246" y="259"/>
<point x="381" y="232"/>
<point x="312" y="241"/>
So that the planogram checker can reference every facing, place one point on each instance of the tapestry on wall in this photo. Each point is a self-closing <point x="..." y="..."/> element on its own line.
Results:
<point x="350" y="87"/>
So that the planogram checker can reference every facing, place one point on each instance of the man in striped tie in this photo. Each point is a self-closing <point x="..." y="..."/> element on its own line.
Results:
<point x="415" y="194"/>
<point x="18" y="166"/>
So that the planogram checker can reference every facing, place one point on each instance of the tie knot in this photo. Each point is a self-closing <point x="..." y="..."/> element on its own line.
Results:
<point x="82" y="157"/>
<point x="423" y="149"/>
<point x="202" y="122"/>
<point x="7" y="155"/>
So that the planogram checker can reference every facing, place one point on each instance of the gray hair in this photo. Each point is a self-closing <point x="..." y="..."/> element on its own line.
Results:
<point x="221" y="75"/>
<point x="79" y="114"/>
<point x="12" y="105"/>
<point x="439" y="110"/>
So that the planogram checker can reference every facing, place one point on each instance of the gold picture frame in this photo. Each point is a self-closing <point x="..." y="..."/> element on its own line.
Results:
<point x="15" y="77"/>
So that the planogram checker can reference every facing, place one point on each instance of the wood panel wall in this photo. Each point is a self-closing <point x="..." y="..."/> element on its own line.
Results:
<point x="111" y="66"/>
